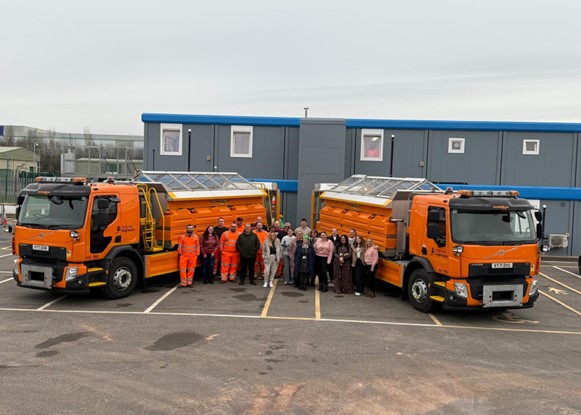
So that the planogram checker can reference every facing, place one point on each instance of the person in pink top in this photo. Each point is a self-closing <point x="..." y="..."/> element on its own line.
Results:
<point x="324" y="249"/>
<point x="370" y="260"/>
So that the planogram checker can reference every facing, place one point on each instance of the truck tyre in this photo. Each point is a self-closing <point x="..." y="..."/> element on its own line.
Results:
<point x="419" y="291"/>
<point x="122" y="279"/>
<point x="579" y="263"/>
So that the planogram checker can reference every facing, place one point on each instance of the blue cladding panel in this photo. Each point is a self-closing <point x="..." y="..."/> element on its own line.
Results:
<point x="220" y="120"/>
<point x="526" y="192"/>
<point x="286" y="186"/>
<point x="1" y="130"/>
<point x="366" y="123"/>
<point x="464" y="125"/>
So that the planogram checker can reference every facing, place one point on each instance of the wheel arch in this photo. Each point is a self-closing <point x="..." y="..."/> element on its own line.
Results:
<point x="129" y="253"/>
<point x="414" y="264"/>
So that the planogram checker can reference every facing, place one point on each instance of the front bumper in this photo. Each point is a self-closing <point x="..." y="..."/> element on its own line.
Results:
<point x="54" y="277"/>
<point x="486" y="295"/>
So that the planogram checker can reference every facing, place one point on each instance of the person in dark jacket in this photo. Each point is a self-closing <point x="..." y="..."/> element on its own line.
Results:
<point x="304" y="263"/>
<point x="247" y="246"/>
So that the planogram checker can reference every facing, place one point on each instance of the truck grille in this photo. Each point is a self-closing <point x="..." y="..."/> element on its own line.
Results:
<point x="483" y="270"/>
<point x="53" y="253"/>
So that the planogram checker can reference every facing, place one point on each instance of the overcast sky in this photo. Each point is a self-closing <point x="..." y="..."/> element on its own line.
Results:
<point x="71" y="64"/>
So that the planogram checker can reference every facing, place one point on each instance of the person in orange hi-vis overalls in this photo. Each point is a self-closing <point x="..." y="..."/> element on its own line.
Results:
<point x="230" y="256"/>
<point x="188" y="250"/>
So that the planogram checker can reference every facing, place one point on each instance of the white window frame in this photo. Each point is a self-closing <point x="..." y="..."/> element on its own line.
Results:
<point x="241" y="129"/>
<point x="528" y="152"/>
<point x="170" y="127"/>
<point x="375" y="133"/>
<point x="452" y="140"/>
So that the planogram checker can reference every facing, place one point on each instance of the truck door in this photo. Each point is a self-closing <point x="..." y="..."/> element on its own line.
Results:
<point x="103" y="215"/>
<point x="436" y="241"/>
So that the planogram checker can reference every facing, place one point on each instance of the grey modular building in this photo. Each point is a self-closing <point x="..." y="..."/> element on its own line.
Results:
<point x="538" y="159"/>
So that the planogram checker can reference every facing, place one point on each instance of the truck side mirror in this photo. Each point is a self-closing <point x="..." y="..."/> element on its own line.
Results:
<point x="539" y="231"/>
<point x="538" y="215"/>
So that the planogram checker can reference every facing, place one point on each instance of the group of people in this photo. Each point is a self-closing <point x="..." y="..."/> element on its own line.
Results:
<point x="346" y="263"/>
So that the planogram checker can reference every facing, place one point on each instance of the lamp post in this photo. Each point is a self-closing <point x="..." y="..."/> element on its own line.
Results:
<point x="34" y="152"/>
<point x="189" y="146"/>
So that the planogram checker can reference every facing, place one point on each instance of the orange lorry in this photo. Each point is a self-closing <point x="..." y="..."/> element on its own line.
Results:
<point x="464" y="249"/>
<point x="73" y="236"/>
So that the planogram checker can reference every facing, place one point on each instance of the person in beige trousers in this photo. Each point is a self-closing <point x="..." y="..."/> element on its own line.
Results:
<point x="272" y="254"/>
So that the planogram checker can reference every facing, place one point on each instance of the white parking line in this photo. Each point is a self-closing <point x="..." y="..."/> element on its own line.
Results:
<point x="323" y="320"/>
<point x="560" y="283"/>
<point x="434" y="319"/>
<point x="51" y="303"/>
<point x="2" y="256"/>
<point x="163" y="297"/>
<point x="9" y="279"/>
<point x="568" y="272"/>
<point x="561" y="303"/>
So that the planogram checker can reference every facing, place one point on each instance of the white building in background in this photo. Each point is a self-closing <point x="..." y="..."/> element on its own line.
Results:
<point x="21" y="132"/>
<point x="14" y="160"/>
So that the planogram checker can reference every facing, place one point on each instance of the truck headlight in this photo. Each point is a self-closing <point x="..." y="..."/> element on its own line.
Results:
<point x="534" y="287"/>
<point x="461" y="289"/>
<point x="71" y="273"/>
<point x="74" y="235"/>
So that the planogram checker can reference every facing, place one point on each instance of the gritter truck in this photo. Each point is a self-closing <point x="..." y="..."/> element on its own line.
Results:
<point x="74" y="236"/>
<point x="458" y="250"/>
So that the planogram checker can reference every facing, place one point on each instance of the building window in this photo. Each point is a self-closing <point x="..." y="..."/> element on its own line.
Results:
<point x="170" y="140"/>
<point x="530" y="147"/>
<point x="371" y="145"/>
<point x="455" y="145"/>
<point x="241" y="141"/>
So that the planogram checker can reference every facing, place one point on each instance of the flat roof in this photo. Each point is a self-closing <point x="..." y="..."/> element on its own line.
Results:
<point x="523" y="126"/>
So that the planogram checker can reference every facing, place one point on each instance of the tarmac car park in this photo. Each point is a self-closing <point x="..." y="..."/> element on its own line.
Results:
<point x="230" y="349"/>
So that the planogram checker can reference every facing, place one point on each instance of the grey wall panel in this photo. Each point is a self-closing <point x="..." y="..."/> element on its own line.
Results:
<point x="479" y="164"/>
<point x="322" y="152"/>
<point x="410" y="152"/>
<point x="150" y="146"/>
<point x="553" y="166"/>
<point x="200" y="147"/>
<point x="578" y="160"/>
<point x="267" y="153"/>
<point x="289" y="208"/>
<point x="351" y="139"/>
<point x="575" y="237"/>
<point x="291" y="155"/>
<point x="559" y="220"/>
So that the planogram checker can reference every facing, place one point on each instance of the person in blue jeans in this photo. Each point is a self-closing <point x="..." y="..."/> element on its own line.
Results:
<point x="209" y="246"/>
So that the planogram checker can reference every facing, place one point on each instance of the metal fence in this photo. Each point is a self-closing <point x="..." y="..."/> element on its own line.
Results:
<point x="10" y="188"/>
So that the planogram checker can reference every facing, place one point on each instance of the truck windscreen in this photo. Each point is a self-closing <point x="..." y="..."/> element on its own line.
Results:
<point x="53" y="212"/>
<point x="492" y="227"/>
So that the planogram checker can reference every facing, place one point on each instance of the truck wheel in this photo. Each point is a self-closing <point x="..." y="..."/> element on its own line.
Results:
<point x="419" y="292"/>
<point x="122" y="279"/>
<point x="579" y="262"/>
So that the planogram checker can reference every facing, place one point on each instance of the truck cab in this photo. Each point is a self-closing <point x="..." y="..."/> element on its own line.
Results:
<point x="66" y="228"/>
